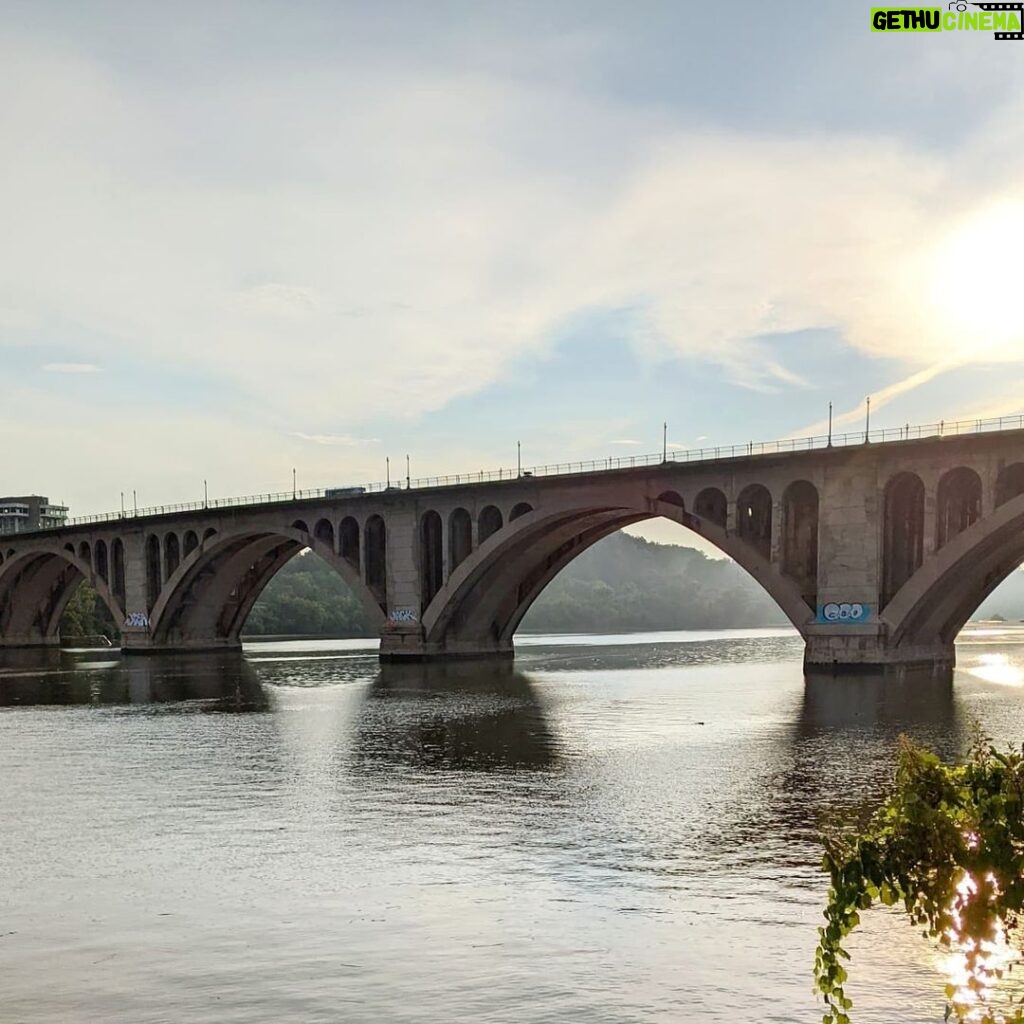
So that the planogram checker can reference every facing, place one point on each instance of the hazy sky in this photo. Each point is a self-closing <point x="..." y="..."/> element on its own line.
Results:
<point x="241" y="238"/>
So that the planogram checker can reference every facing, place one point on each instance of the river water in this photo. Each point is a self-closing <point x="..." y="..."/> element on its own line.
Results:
<point x="617" y="829"/>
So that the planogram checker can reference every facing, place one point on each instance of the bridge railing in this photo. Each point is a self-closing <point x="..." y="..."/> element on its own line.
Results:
<point x="711" y="453"/>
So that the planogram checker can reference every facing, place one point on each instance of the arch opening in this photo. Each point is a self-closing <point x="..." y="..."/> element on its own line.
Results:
<point x="754" y="518"/>
<point x="348" y="532"/>
<point x="172" y="554"/>
<point x="520" y="509"/>
<point x="431" y="556"/>
<point x="191" y="542"/>
<point x="117" y="571"/>
<point x="460" y="538"/>
<point x="377" y="559"/>
<point x="712" y="506"/>
<point x="957" y="504"/>
<point x="153" y="580"/>
<point x="490" y="522"/>
<point x="1009" y="483"/>
<point x="800" y="538"/>
<point x="102" y="563"/>
<point x="324" y="532"/>
<point x="902" y="532"/>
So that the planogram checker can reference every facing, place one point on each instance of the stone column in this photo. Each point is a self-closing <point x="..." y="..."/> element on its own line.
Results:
<point x="135" y="629"/>
<point x="402" y="633"/>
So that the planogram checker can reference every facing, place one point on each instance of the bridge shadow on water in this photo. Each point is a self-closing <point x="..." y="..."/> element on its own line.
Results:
<point x="472" y="717"/>
<point x="835" y="761"/>
<point x="186" y="683"/>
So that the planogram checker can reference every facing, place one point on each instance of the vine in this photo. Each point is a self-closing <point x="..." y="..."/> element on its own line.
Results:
<point x="947" y="844"/>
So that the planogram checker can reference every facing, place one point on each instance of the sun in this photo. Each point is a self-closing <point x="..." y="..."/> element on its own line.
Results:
<point x="976" y="277"/>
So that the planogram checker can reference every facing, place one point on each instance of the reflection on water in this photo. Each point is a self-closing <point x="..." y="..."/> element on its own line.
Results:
<point x="206" y="682"/>
<point x="621" y="831"/>
<point x="462" y="717"/>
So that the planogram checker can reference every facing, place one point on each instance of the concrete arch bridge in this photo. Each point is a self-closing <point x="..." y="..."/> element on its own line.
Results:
<point x="877" y="553"/>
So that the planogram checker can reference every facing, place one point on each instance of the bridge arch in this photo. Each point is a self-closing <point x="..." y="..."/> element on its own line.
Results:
<point x="936" y="602"/>
<point x="486" y="596"/>
<point x="35" y="588"/>
<point x="207" y="600"/>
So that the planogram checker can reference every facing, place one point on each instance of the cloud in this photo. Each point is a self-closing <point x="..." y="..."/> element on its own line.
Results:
<point x="373" y="239"/>
<point x="339" y="440"/>
<point x="71" y="368"/>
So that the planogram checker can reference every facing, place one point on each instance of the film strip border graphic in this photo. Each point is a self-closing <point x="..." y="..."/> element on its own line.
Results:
<point x="1018" y="7"/>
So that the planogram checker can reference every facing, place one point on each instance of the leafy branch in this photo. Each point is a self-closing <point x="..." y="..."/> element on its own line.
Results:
<point x="947" y="845"/>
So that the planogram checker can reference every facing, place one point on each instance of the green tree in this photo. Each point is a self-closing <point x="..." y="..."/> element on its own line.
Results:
<point x="86" y="615"/>
<point x="948" y="846"/>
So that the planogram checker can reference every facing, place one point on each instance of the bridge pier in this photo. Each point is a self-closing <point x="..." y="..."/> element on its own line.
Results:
<point x="408" y="645"/>
<point x="870" y="652"/>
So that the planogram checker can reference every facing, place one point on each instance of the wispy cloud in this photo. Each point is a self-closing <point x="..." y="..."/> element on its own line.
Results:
<point x="880" y="398"/>
<point x="71" y="368"/>
<point x="338" y="440"/>
<point x="625" y="440"/>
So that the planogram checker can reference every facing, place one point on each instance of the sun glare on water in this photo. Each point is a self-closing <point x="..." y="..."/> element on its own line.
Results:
<point x="974" y="991"/>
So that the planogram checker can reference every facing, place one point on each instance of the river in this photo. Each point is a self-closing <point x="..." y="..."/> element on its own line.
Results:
<point x="616" y="829"/>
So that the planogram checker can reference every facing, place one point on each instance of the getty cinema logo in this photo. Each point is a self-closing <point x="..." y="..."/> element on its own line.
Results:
<point x="1004" y="20"/>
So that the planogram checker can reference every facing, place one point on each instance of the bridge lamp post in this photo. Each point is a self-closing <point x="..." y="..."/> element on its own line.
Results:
<point x="122" y="504"/>
<point x="867" y="421"/>
<point x="664" y="441"/>
<point x="294" y="491"/>
<point x="519" y="458"/>
<point x="206" y="495"/>
<point x="408" y="478"/>
<point x="830" y="424"/>
<point x="387" y="471"/>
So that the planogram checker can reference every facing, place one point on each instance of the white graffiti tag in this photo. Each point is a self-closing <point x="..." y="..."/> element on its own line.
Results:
<point x="137" y="620"/>
<point x="833" y="612"/>
<point x="402" y="615"/>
